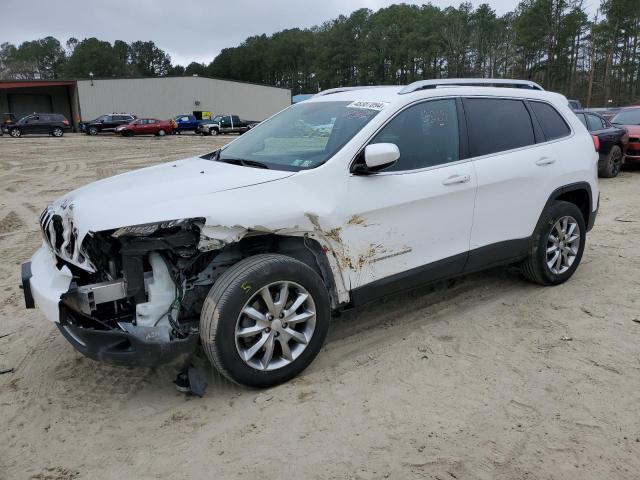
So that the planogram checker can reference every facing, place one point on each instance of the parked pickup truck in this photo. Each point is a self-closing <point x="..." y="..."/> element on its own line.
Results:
<point x="186" y="123"/>
<point x="225" y="124"/>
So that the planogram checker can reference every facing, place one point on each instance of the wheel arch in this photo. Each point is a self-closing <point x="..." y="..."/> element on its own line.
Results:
<point x="303" y="248"/>
<point x="580" y="194"/>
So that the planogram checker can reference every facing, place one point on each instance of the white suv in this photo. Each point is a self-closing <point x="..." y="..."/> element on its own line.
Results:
<point x="351" y="195"/>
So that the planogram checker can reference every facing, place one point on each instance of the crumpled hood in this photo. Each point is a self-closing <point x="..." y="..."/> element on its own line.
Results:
<point x="148" y="195"/>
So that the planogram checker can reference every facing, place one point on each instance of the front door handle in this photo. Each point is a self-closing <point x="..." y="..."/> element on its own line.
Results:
<point x="455" y="179"/>
<point x="545" y="161"/>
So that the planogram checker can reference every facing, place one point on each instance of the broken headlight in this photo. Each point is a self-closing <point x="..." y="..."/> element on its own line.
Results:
<point x="148" y="228"/>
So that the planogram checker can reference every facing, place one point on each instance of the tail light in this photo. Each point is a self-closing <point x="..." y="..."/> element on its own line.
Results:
<point x="66" y="122"/>
<point x="596" y="142"/>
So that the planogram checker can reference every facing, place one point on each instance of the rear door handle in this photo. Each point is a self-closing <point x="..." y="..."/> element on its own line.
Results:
<point x="455" y="179"/>
<point x="545" y="161"/>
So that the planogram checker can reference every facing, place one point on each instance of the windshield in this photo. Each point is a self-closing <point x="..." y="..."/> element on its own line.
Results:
<point x="217" y="119"/>
<point x="628" y="117"/>
<point x="303" y="136"/>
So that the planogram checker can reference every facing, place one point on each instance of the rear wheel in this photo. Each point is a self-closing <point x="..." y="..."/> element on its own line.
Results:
<point x="161" y="133"/>
<point x="57" y="132"/>
<point x="614" y="163"/>
<point x="15" y="132"/>
<point x="557" y="245"/>
<point x="265" y="320"/>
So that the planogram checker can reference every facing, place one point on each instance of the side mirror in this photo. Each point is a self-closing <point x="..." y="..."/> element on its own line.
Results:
<point x="378" y="156"/>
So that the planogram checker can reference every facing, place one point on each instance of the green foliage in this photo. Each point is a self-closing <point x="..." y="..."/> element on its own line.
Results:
<point x="550" y="41"/>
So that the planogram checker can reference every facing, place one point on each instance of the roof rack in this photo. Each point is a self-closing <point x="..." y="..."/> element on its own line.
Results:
<point x="477" y="82"/>
<point x="345" y="89"/>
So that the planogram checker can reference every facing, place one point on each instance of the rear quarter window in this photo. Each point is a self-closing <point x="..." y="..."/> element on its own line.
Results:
<point x="552" y="124"/>
<point x="496" y="125"/>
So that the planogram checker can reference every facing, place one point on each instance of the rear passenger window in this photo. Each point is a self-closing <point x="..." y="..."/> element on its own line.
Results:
<point x="582" y="119"/>
<point x="426" y="135"/>
<point x="595" y="123"/>
<point x="553" y="125"/>
<point x="496" y="125"/>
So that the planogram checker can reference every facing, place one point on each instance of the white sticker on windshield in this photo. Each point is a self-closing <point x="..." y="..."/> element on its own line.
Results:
<point x="368" y="105"/>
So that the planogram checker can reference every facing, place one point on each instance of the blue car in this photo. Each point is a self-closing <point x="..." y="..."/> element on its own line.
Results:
<point x="187" y="123"/>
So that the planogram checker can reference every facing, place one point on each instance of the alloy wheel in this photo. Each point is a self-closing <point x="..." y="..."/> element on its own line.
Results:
<point x="563" y="243"/>
<point x="275" y="326"/>
<point x="616" y="163"/>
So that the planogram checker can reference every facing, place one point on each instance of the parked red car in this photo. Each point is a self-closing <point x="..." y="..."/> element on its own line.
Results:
<point x="629" y="118"/>
<point x="146" y="126"/>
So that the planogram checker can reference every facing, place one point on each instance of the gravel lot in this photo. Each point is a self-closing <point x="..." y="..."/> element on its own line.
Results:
<point x="485" y="377"/>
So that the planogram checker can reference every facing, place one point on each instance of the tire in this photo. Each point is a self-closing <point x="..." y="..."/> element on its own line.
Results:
<point x="92" y="131"/>
<point x="613" y="164"/>
<point x="536" y="267"/>
<point x="15" y="132"/>
<point x="57" y="132"/>
<point x="161" y="133"/>
<point x="127" y="133"/>
<point x="241" y="287"/>
<point x="213" y="132"/>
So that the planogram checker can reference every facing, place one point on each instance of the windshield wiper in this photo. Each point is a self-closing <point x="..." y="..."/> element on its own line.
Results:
<point x="242" y="162"/>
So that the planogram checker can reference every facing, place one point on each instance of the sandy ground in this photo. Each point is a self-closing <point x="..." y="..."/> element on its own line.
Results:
<point x="485" y="377"/>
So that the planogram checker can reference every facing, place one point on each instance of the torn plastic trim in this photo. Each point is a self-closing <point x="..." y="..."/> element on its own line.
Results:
<point x="215" y="237"/>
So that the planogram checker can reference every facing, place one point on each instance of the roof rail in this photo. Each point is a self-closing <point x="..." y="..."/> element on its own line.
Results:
<point x="477" y="82"/>
<point x="345" y="89"/>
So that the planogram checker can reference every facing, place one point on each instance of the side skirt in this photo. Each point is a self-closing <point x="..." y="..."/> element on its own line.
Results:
<point x="501" y="253"/>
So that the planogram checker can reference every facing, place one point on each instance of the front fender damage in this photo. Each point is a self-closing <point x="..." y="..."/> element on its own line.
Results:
<point x="216" y="237"/>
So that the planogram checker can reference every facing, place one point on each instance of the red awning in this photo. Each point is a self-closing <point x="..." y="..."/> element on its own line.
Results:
<point x="35" y="83"/>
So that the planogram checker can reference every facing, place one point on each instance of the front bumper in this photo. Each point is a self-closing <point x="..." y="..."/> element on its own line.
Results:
<point x="43" y="285"/>
<point x="147" y="348"/>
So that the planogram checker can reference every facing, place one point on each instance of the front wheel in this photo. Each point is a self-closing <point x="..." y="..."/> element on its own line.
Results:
<point x="265" y="320"/>
<point x="213" y="132"/>
<point x="613" y="165"/>
<point x="161" y="133"/>
<point x="92" y="131"/>
<point x="557" y="245"/>
<point x="15" y="132"/>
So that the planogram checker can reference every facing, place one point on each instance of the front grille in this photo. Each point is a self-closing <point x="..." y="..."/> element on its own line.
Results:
<point x="62" y="238"/>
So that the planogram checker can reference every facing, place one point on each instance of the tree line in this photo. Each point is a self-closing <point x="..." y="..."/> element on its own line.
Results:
<point x="553" y="42"/>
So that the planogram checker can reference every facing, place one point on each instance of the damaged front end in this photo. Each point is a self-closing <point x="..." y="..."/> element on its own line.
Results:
<point x="129" y="296"/>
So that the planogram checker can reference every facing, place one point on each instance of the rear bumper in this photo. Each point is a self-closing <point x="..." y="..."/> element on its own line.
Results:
<point x="594" y="214"/>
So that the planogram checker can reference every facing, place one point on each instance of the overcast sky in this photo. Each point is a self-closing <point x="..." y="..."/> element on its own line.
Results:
<point x="189" y="30"/>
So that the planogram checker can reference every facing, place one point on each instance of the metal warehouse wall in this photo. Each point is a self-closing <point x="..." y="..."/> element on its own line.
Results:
<point x="166" y="97"/>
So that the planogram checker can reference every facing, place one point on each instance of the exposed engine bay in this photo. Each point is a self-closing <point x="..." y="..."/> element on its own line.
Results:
<point x="138" y="295"/>
<point x="149" y="281"/>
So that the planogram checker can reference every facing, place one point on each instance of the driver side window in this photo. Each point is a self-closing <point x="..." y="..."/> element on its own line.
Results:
<point x="426" y="134"/>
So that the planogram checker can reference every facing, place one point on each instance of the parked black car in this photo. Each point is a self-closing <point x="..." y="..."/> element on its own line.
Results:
<point x="613" y="142"/>
<point x="52" y="123"/>
<point x="106" y="123"/>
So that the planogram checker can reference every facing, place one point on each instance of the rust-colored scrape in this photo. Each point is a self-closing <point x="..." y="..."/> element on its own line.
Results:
<point x="356" y="220"/>
<point x="368" y="256"/>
